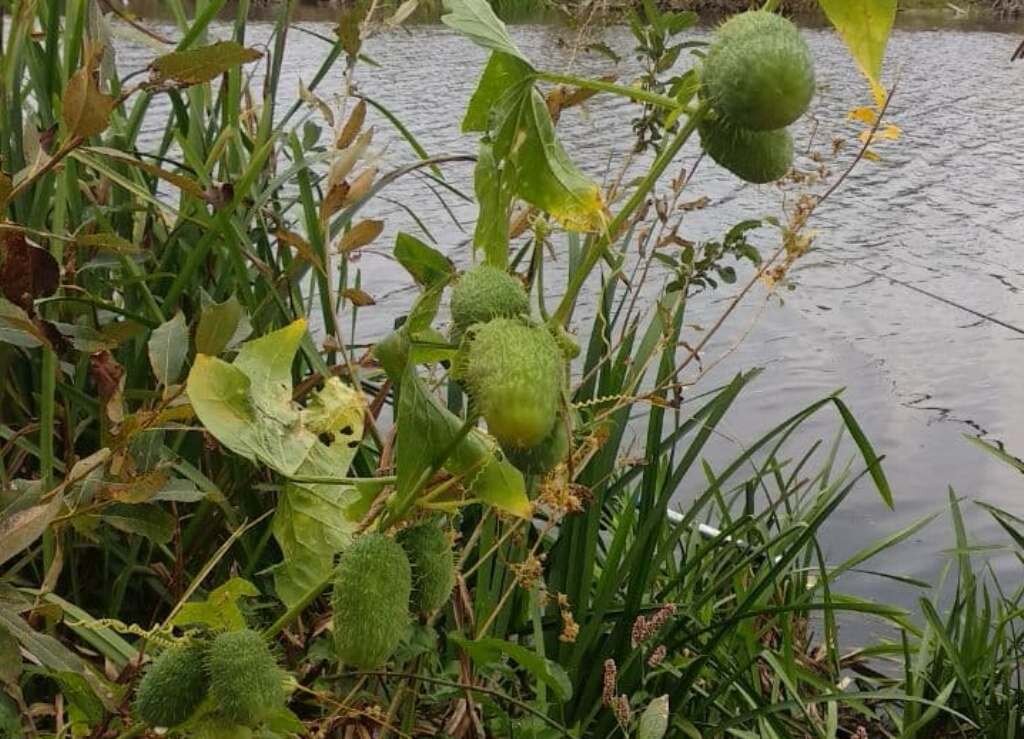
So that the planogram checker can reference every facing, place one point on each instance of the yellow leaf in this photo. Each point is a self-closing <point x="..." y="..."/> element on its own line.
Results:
<point x="867" y="115"/>
<point x="310" y="99"/>
<point x="865" y="26"/>
<point x="86" y="110"/>
<point x="360" y="235"/>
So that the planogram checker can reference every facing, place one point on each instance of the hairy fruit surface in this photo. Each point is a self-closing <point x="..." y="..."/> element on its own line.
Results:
<point x="433" y="565"/>
<point x="758" y="72"/>
<point x="245" y="681"/>
<point x="372" y="588"/>
<point x="173" y="686"/>
<point x="753" y="156"/>
<point x="484" y="293"/>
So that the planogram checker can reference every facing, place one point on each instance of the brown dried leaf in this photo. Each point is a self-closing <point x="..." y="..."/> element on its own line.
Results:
<point x="26" y="272"/>
<point x="334" y="200"/>
<point x="358" y="298"/>
<point x="86" y="111"/>
<point x="139" y="489"/>
<point x="195" y="66"/>
<point x="360" y="235"/>
<point x="361" y="185"/>
<point x="352" y="126"/>
<point x="108" y="376"/>
<point x="301" y="246"/>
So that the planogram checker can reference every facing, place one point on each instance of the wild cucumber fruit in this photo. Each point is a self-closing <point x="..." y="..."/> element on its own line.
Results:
<point x="753" y="156"/>
<point x="484" y="293"/>
<point x="544" y="457"/>
<point x="759" y="72"/>
<point x="433" y="565"/>
<point x="514" y="373"/>
<point x="371" y="601"/>
<point x="245" y="681"/>
<point x="173" y="686"/>
<point x="566" y="341"/>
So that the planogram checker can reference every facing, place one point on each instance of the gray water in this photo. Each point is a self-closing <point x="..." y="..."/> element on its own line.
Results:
<point x="942" y="211"/>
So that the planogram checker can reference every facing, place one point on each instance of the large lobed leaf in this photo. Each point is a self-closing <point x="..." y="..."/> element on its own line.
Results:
<point x="476" y="19"/>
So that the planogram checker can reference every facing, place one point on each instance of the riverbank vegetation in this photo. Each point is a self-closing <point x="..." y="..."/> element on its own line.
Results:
<point x="221" y="516"/>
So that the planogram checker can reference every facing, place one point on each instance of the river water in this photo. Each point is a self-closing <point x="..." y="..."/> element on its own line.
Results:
<point x="942" y="211"/>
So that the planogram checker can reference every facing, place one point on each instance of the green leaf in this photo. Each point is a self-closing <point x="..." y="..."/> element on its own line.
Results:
<point x="476" y="19"/>
<point x="221" y="326"/>
<point x="654" y="720"/>
<point x="426" y="431"/>
<point x="10" y="658"/>
<point x="168" y="347"/>
<point x="539" y="170"/>
<point x="202" y="64"/>
<point x="502" y="74"/>
<point x="247" y="405"/>
<point x="490" y="651"/>
<point x="146" y="519"/>
<point x="314" y="521"/>
<point x="427" y="265"/>
<point x="865" y="26"/>
<point x="495" y="202"/>
<point x="220" y="610"/>
<point x="55" y="657"/>
<point x="77" y="691"/>
<point x="18" y="329"/>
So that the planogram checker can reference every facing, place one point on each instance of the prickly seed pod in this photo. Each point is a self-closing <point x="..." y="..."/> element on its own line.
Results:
<point x="173" y="686"/>
<point x="514" y="373"/>
<point x="566" y="341"/>
<point x="753" y="156"/>
<point x="542" y="458"/>
<point x="245" y="681"/>
<point x="433" y="565"/>
<point x="758" y="72"/>
<point x="484" y="293"/>
<point x="371" y="601"/>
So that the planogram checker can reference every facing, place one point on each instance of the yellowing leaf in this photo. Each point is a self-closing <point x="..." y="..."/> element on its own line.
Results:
<point x="361" y="185"/>
<point x="360" y="235"/>
<point x="86" y="110"/>
<point x="867" y="115"/>
<point x="313" y="101"/>
<point x="865" y="26"/>
<point x="196" y="66"/>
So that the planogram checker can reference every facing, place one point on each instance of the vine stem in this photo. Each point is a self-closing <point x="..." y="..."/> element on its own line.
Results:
<point x="634" y="93"/>
<point x="600" y="245"/>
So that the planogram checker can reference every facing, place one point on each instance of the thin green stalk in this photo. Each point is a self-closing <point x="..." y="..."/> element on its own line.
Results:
<point x="634" y="93"/>
<point x="597" y="249"/>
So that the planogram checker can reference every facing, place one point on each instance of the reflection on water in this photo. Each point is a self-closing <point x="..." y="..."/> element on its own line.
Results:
<point x="941" y="212"/>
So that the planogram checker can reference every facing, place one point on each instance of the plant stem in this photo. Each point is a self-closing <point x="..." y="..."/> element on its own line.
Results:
<point x="634" y="93"/>
<point x="293" y="611"/>
<point x="597" y="249"/>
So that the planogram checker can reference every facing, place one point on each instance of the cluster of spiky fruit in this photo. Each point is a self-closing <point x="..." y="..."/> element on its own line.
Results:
<point x="512" y="368"/>
<point x="381" y="580"/>
<point x="235" y="671"/>
<point x="758" y="76"/>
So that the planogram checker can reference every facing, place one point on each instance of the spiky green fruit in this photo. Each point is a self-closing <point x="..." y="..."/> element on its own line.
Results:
<point x="372" y="588"/>
<point x="173" y="686"/>
<point x="759" y="72"/>
<point x="566" y="341"/>
<point x="483" y="293"/>
<point x="544" y="457"/>
<point x="514" y="373"/>
<point x="753" y="156"/>
<point x="245" y="681"/>
<point x="433" y="565"/>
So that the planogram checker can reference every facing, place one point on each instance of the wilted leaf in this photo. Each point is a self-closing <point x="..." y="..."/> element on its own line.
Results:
<point x="20" y="527"/>
<point x="195" y="66"/>
<point x="86" y="110"/>
<point x="26" y="272"/>
<point x="346" y="158"/>
<point x="301" y="246"/>
<point x="485" y="652"/>
<point x="18" y="329"/>
<point x="352" y="126"/>
<point x="220" y="326"/>
<point x="247" y="405"/>
<point x="138" y="490"/>
<point x="360" y="235"/>
<point x="10" y="658"/>
<point x="476" y="19"/>
<point x="108" y="375"/>
<point x="334" y="200"/>
<point x="360" y="186"/>
<point x="313" y="101"/>
<point x="865" y="26"/>
<point x="426" y="264"/>
<point x="6" y="187"/>
<point x="349" y="28"/>
<point x="402" y="13"/>
<point x="358" y="298"/>
<point x="168" y="347"/>
<point x="220" y="610"/>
